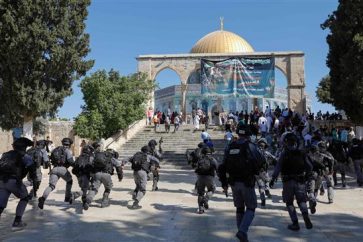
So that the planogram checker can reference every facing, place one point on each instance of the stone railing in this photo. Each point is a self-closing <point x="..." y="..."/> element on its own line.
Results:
<point x="121" y="137"/>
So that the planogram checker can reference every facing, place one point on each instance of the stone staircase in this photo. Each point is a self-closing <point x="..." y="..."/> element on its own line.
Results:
<point x="175" y="145"/>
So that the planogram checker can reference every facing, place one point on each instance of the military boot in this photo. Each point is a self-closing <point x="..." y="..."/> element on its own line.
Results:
<point x="41" y="201"/>
<point x="135" y="205"/>
<point x="294" y="226"/>
<point x="105" y="200"/>
<point x="307" y="221"/>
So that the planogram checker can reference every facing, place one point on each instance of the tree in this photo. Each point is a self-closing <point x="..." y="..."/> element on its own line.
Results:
<point x="112" y="103"/>
<point x="323" y="91"/>
<point x="42" y="51"/>
<point x="345" y="58"/>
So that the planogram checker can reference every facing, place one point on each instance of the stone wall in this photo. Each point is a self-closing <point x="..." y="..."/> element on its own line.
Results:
<point x="56" y="130"/>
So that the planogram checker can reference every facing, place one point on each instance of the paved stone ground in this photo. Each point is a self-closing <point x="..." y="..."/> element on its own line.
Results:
<point x="170" y="215"/>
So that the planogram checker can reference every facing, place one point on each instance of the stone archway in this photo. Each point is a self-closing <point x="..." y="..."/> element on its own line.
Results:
<point x="290" y="63"/>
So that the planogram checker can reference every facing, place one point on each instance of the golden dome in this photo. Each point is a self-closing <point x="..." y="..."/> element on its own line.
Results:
<point x="222" y="41"/>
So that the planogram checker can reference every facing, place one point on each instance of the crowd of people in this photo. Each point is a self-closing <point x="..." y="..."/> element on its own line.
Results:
<point x="263" y="146"/>
<point x="259" y="148"/>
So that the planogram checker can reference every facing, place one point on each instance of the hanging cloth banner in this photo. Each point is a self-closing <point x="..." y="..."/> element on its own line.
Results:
<point x="244" y="76"/>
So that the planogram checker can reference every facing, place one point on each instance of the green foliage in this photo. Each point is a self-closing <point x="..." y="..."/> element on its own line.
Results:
<point x="345" y="58"/>
<point x="323" y="91"/>
<point x="42" y="51"/>
<point x="40" y="126"/>
<point x="113" y="102"/>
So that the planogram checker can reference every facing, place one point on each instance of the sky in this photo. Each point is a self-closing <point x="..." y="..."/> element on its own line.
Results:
<point x="121" y="30"/>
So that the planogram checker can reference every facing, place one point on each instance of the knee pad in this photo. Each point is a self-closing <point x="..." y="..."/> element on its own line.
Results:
<point x="52" y="186"/>
<point x="240" y="210"/>
<point x="289" y="204"/>
<point x="107" y="190"/>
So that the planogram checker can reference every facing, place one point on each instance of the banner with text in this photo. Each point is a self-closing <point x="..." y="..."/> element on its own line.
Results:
<point x="243" y="76"/>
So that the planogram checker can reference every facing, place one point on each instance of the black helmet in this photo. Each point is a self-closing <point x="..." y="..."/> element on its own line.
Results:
<point x="22" y="143"/>
<point x="291" y="141"/>
<point x="146" y="149"/>
<point x="206" y="150"/>
<point x="201" y="145"/>
<point x="113" y="152"/>
<point x="87" y="149"/>
<point x="67" y="141"/>
<point x="152" y="143"/>
<point x="41" y="143"/>
<point x="96" y="145"/>
<point x="262" y="140"/>
<point x="243" y="129"/>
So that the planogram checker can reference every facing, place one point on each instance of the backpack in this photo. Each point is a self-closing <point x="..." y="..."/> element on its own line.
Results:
<point x="243" y="161"/>
<point x="99" y="163"/>
<point x="10" y="164"/>
<point x="82" y="162"/>
<point x="204" y="166"/>
<point x="36" y="155"/>
<point x="138" y="160"/>
<point x="58" y="156"/>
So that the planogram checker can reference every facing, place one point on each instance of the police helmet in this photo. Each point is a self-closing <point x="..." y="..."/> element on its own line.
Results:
<point x="201" y="145"/>
<point x="262" y="143"/>
<point x="96" y="145"/>
<point x="87" y="149"/>
<point x="152" y="143"/>
<point x="22" y="143"/>
<point x="67" y="141"/>
<point x="41" y="143"/>
<point x="146" y="149"/>
<point x="206" y="150"/>
<point x="291" y="141"/>
<point x="243" y="129"/>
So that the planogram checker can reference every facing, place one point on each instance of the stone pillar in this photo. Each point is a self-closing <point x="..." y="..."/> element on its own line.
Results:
<point x="296" y="98"/>
<point x="184" y="88"/>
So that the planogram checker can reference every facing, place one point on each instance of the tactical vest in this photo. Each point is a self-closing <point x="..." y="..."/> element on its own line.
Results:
<point x="293" y="163"/>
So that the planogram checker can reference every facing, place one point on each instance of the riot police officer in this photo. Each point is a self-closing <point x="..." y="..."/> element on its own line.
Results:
<point x="242" y="162"/>
<point x="61" y="158"/>
<point x="103" y="167"/>
<point x="206" y="169"/>
<point x="40" y="157"/>
<point x="82" y="169"/>
<point x="328" y="161"/>
<point x="140" y="164"/>
<point x="294" y="167"/>
<point x="155" y="167"/>
<point x="262" y="179"/>
<point x="14" y="166"/>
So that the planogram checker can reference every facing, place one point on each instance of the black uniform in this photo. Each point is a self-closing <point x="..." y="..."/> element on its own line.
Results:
<point x="294" y="167"/>
<point x="242" y="162"/>
<point x="155" y="166"/>
<point x="82" y="169"/>
<point x="14" y="166"/>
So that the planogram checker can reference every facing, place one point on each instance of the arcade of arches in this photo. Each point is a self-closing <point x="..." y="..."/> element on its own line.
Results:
<point x="220" y="45"/>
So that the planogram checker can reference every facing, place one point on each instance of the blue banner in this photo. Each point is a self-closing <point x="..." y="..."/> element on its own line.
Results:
<point x="243" y="76"/>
